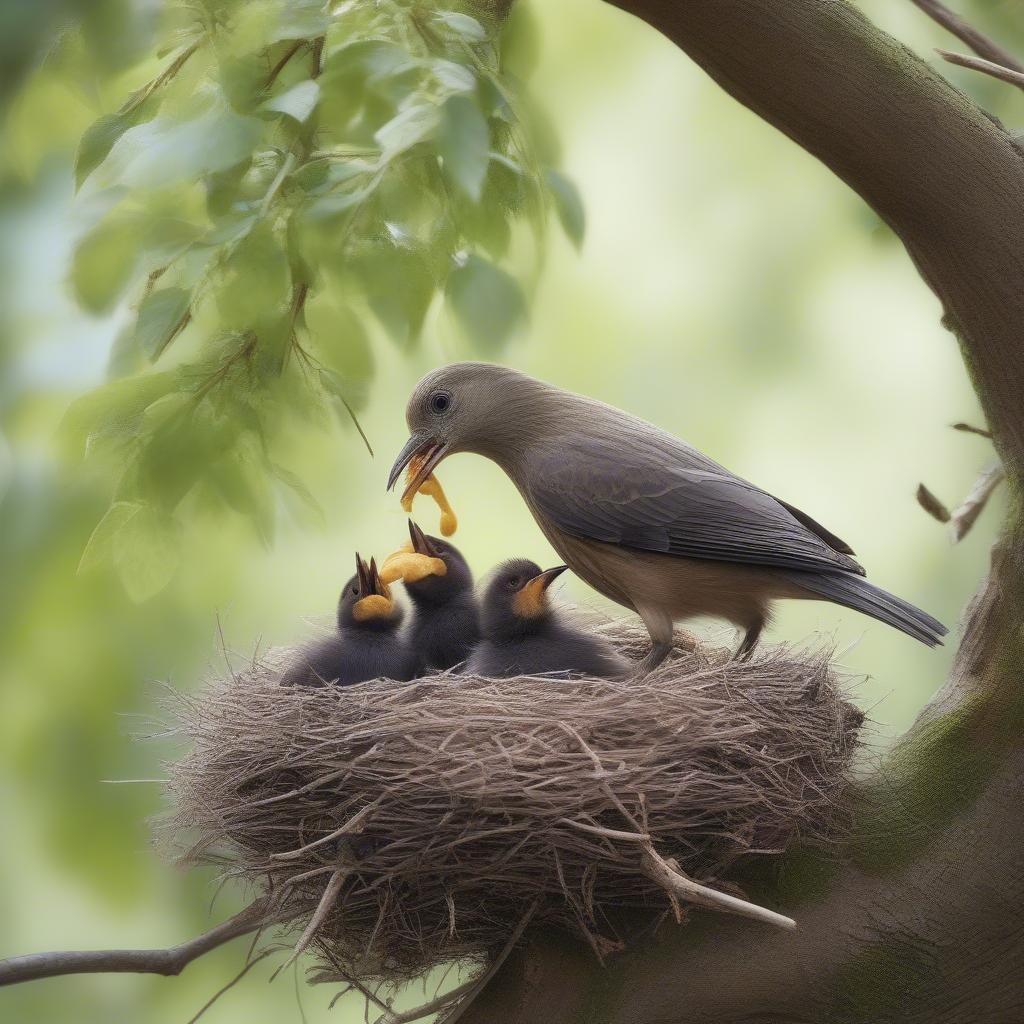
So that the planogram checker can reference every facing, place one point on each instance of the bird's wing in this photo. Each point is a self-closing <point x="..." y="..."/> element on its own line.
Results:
<point x="661" y="498"/>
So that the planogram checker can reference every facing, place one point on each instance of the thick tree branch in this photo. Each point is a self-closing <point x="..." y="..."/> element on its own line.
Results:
<point x="980" y="43"/>
<point x="920" y="924"/>
<point x="170" y="961"/>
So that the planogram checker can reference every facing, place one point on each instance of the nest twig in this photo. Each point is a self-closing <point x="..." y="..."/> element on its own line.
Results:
<point x="405" y="825"/>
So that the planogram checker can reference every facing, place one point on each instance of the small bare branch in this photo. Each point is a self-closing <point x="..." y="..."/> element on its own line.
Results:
<point x="980" y="43"/>
<point x="675" y="882"/>
<point x="231" y="984"/>
<point x="492" y="968"/>
<point x="337" y="880"/>
<point x="441" y="1002"/>
<point x="968" y="428"/>
<point x="168" y="962"/>
<point x="971" y="507"/>
<point x="931" y="504"/>
<point x="986" y="67"/>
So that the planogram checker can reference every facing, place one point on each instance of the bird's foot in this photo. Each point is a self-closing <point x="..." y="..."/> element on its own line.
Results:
<point x="650" y="661"/>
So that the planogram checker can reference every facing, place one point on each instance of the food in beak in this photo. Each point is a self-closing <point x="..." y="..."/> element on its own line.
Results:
<point x="375" y="601"/>
<point x="431" y="487"/>
<point x="414" y="561"/>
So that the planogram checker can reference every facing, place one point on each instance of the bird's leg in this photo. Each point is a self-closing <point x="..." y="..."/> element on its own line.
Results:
<point x="659" y="625"/>
<point x="750" y="638"/>
<point x="652" y="659"/>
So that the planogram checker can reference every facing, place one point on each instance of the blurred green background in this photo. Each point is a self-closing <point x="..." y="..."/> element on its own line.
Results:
<point x="729" y="289"/>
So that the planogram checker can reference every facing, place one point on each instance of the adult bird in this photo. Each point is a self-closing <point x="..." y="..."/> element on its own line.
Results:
<point x="644" y="518"/>
<point x="524" y="635"/>
<point x="445" y="621"/>
<point x="367" y="643"/>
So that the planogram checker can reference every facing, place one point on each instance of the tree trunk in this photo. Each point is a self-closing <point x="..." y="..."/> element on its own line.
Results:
<point x="921" y="920"/>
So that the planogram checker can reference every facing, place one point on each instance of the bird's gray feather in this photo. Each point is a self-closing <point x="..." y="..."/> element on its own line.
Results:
<point x="651" y="492"/>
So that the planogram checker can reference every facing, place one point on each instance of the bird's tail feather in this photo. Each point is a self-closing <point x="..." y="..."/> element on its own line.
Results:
<point x="855" y="592"/>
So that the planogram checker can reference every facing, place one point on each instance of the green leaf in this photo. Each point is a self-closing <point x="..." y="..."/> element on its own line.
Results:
<point x="165" y="150"/>
<point x="294" y="483"/>
<point x="140" y="542"/>
<point x="104" y="262"/>
<point x="113" y="412"/>
<point x="462" y="25"/>
<point x="407" y="128"/>
<point x="301" y="19"/>
<point x="569" y="205"/>
<point x="453" y="76"/>
<point x="399" y="287"/>
<point x="147" y="552"/>
<point x="486" y="301"/>
<point x="298" y="102"/>
<point x="338" y="336"/>
<point x="162" y="316"/>
<point x="463" y="142"/>
<point x="101" y="546"/>
<point x="96" y="142"/>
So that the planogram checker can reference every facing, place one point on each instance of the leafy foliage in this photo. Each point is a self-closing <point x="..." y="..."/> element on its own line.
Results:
<point x="295" y="172"/>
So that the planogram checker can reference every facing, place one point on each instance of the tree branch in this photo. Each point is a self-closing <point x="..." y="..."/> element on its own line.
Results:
<point x="170" y="961"/>
<point x="918" y="922"/>
<point x="986" y="67"/>
<point x="980" y="43"/>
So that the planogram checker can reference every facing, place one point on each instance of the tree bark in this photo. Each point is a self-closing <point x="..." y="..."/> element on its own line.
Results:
<point x="921" y="920"/>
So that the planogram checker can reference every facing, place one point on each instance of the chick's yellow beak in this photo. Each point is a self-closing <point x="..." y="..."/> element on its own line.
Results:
<point x="377" y="602"/>
<point x="532" y="600"/>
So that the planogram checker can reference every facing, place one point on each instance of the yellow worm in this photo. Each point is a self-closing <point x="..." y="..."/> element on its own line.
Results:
<point x="433" y="489"/>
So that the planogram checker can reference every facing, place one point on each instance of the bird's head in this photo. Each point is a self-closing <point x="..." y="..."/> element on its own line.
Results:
<point x="515" y="600"/>
<point x="469" y="407"/>
<point x="432" y="569"/>
<point x="366" y="601"/>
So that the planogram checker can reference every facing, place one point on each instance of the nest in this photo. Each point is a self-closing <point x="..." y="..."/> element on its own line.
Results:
<point x="407" y="825"/>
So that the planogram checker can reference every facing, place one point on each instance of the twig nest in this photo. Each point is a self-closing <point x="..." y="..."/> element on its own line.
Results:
<point x="410" y="824"/>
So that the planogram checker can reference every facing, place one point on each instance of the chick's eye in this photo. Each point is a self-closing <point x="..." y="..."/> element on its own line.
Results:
<point x="440" y="402"/>
<point x="513" y="582"/>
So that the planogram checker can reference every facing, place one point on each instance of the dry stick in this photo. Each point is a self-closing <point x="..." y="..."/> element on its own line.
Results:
<point x="964" y="517"/>
<point x="969" y="428"/>
<point x="168" y="962"/>
<point x="355" y="824"/>
<point x="986" y="67"/>
<point x="671" y="877"/>
<point x="493" y="966"/>
<point x="980" y="43"/>
<point x="441" y="1002"/>
<point x="931" y="504"/>
<point x="253" y="961"/>
<point x="319" y="916"/>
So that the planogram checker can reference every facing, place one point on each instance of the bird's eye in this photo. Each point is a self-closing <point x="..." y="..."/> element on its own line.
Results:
<point x="513" y="582"/>
<point x="440" y="402"/>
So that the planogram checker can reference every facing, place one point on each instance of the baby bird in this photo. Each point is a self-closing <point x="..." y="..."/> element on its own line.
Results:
<point x="446" y="621"/>
<point x="523" y="635"/>
<point x="366" y="645"/>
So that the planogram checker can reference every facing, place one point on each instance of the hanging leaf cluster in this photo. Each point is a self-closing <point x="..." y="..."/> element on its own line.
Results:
<point x="297" y="178"/>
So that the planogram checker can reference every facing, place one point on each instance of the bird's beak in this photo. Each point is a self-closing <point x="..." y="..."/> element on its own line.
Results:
<point x="414" y="561"/>
<point x="377" y="602"/>
<point x="420" y="542"/>
<point x="427" y="451"/>
<point x="532" y="599"/>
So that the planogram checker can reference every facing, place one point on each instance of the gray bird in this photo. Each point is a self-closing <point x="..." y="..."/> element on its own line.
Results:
<point x="524" y="635"/>
<point x="367" y="644"/>
<point x="644" y="518"/>
<point x="446" y="621"/>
